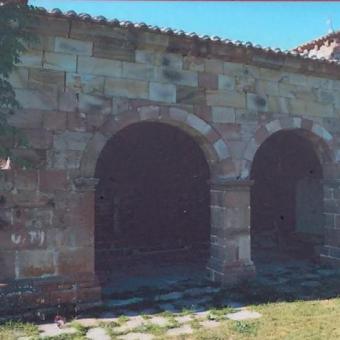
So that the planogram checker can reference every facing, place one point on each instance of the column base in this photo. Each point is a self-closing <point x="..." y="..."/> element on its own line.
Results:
<point x="231" y="274"/>
<point x="330" y="256"/>
<point x="42" y="298"/>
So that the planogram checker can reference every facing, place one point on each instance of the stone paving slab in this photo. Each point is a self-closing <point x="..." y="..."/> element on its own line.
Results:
<point x="51" y="329"/>
<point x="97" y="333"/>
<point x="184" y="329"/>
<point x="209" y="323"/>
<point x="243" y="315"/>
<point x="136" y="336"/>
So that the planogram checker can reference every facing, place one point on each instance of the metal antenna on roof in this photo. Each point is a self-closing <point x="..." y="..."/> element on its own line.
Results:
<point x="329" y="23"/>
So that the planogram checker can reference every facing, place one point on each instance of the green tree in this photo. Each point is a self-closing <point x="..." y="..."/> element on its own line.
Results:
<point x="14" y="18"/>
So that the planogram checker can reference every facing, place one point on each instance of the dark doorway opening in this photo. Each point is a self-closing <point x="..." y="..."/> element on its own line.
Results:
<point x="152" y="204"/>
<point x="286" y="200"/>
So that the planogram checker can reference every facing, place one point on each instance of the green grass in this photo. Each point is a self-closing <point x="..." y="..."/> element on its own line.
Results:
<point x="298" y="320"/>
<point x="12" y="330"/>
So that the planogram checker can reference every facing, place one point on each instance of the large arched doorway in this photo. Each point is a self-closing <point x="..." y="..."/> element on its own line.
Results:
<point x="287" y="221"/>
<point x="152" y="202"/>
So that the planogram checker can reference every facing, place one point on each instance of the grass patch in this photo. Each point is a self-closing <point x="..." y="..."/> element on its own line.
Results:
<point x="14" y="329"/>
<point x="244" y="327"/>
<point x="219" y="314"/>
<point x="298" y="320"/>
<point x="150" y="328"/>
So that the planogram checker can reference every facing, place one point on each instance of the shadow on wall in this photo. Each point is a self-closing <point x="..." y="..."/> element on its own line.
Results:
<point x="287" y="197"/>
<point x="153" y="195"/>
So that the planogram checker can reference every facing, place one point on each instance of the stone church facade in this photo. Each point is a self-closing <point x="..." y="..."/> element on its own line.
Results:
<point x="88" y="79"/>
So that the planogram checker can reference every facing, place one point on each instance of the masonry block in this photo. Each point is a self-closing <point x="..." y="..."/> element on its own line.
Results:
<point x="72" y="46"/>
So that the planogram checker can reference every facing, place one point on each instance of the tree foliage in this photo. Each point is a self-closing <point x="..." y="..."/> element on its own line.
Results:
<point x="14" y="18"/>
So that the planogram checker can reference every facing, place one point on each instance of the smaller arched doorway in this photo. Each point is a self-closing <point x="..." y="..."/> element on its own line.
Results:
<point x="152" y="202"/>
<point x="287" y="220"/>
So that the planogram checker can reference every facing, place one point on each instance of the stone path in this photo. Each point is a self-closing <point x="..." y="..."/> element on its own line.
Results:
<point x="185" y="307"/>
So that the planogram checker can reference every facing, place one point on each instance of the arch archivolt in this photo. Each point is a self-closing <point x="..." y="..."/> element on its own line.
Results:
<point x="321" y="139"/>
<point x="214" y="147"/>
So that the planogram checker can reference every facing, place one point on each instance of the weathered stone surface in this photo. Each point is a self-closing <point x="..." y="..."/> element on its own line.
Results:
<point x="31" y="59"/>
<point x="19" y="77"/>
<point x="190" y="95"/>
<point x="73" y="46"/>
<point x="97" y="333"/>
<point x="71" y="140"/>
<point x="42" y="79"/>
<point x="60" y="62"/>
<point x="223" y="114"/>
<point x="244" y="315"/>
<point x="226" y="98"/>
<point x="37" y="99"/>
<point x="162" y="92"/>
<point x="99" y="66"/>
<point x="126" y="88"/>
<point x="85" y="83"/>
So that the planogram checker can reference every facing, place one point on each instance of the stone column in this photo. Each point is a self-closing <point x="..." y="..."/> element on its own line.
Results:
<point x="330" y="252"/>
<point x="230" y="255"/>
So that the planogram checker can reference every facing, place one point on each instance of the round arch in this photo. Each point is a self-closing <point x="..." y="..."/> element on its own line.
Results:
<point x="215" y="149"/>
<point x="315" y="133"/>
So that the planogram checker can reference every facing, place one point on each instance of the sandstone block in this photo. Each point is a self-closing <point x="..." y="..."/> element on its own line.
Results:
<point x="190" y="95"/>
<point x="38" y="138"/>
<point x="95" y="104"/>
<point x="223" y="114"/>
<point x="35" y="263"/>
<point x="37" y="99"/>
<point x="170" y="75"/>
<point x="75" y="260"/>
<point x="208" y="80"/>
<point x="233" y="69"/>
<point x="153" y="39"/>
<point x="26" y="179"/>
<point x="72" y="46"/>
<point x="85" y="83"/>
<point x="159" y="59"/>
<point x="226" y="98"/>
<point x="225" y="82"/>
<point x="68" y="101"/>
<point x="19" y="77"/>
<point x="198" y="124"/>
<point x="126" y="88"/>
<point x="68" y="140"/>
<point x="221" y="149"/>
<point x="51" y="180"/>
<point x="213" y="66"/>
<point x="43" y="43"/>
<point x="99" y="66"/>
<point x="46" y="79"/>
<point x="64" y="159"/>
<point x="31" y="59"/>
<point x="138" y="71"/>
<point x="60" y="62"/>
<point x="319" y="109"/>
<point x="162" y="92"/>
<point x="178" y="114"/>
<point x="256" y="102"/>
<point x="114" y="48"/>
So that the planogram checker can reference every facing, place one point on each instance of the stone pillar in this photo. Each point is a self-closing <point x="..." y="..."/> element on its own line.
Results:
<point x="230" y="254"/>
<point x="330" y="252"/>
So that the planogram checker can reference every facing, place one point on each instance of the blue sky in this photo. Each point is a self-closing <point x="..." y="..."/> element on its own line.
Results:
<point x="275" y="24"/>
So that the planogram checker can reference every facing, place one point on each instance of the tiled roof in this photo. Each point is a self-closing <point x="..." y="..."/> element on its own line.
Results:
<point x="317" y="42"/>
<point x="171" y="32"/>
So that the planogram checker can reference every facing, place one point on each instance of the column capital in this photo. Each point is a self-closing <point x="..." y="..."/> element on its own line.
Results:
<point x="85" y="183"/>
<point x="231" y="184"/>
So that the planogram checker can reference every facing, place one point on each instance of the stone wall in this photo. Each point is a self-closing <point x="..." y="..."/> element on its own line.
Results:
<point x="83" y="82"/>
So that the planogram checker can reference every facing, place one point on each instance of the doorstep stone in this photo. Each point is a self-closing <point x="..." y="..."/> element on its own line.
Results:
<point x="243" y="315"/>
